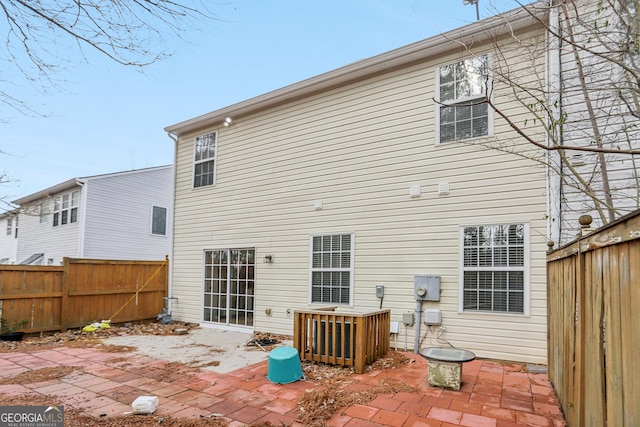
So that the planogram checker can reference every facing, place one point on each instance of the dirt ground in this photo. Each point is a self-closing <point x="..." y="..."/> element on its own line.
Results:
<point x="315" y="406"/>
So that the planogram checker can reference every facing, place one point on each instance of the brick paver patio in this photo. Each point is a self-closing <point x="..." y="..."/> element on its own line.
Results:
<point x="493" y="393"/>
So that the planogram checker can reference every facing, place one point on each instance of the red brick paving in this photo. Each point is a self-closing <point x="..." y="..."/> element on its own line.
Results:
<point x="493" y="394"/>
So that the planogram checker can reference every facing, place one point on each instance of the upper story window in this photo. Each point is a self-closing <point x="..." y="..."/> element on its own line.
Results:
<point x="494" y="266"/>
<point x="9" y="226"/>
<point x="65" y="208"/>
<point x="462" y="92"/>
<point x="44" y="212"/>
<point x="159" y="221"/>
<point x="332" y="268"/>
<point x="205" y="160"/>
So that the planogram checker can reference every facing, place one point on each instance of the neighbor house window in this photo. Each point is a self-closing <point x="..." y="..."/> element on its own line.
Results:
<point x="159" y="221"/>
<point x="44" y="212"/>
<point x="494" y="268"/>
<point x="332" y="268"/>
<point x="9" y="226"/>
<point x="205" y="160"/>
<point x="463" y="111"/>
<point x="65" y="208"/>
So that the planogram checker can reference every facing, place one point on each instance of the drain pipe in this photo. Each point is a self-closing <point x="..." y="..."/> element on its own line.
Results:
<point x="170" y="298"/>
<point x="416" y="338"/>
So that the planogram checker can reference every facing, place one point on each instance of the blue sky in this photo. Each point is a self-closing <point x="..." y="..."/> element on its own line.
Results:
<point x="109" y="118"/>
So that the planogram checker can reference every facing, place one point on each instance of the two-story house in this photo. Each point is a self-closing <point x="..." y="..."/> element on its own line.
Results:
<point x="122" y="215"/>
<point x="372" y="174"/>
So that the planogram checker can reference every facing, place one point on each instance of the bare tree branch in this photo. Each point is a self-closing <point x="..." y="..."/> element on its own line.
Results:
<point x="40" y="34"/>
<point x="538" y="144"/>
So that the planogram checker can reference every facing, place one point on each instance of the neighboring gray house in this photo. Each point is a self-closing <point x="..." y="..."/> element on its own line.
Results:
<point x="8" y="237"/>
<point x="122" y="215"/>
<point x="598" y="44"/>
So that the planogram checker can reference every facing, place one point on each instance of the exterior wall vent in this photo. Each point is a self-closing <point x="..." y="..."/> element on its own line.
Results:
<point x="443" y="188"/>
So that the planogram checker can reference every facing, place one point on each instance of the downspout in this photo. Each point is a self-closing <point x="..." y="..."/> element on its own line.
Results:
<point x="554" y="86"/>
<point x="416" y="338"/>
<point x="170" y="297"/>
<point x="82" y="217"/>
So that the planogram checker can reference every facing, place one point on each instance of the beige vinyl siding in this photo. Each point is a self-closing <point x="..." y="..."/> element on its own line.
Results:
<point x="359" y="148"/>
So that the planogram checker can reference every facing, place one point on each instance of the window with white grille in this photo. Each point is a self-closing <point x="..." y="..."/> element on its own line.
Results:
<point x="462" y="91"/>
<point x="332" y="268"/>
<point x="204" y="167"/>
<point x="494" y="268"/>
<point x="65" y="208"/>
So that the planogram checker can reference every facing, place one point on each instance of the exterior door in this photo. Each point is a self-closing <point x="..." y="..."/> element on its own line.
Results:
<point x="229" y="285"/>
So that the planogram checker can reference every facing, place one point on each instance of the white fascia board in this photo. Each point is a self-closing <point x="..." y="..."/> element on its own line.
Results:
<point x="48" y="192"/>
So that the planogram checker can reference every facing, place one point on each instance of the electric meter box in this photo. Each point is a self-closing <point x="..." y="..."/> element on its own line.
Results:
<point x="426" y="288"/>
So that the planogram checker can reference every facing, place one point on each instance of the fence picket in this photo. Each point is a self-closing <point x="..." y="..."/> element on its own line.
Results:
<point x="593" y="317"/>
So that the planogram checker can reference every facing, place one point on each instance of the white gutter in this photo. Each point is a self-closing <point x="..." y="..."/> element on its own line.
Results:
<point x="48" y="192"/>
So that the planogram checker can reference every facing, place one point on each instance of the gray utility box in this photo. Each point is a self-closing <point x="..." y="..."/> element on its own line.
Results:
<point x="426" y="287"/>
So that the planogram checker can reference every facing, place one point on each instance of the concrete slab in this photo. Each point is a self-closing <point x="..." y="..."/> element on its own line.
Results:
<point x="201" y="347"/>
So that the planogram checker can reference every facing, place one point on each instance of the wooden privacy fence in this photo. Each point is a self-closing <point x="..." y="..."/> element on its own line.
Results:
<point x="353" y="340"/>
<point x="593" y="290"/>
<point x="80" y="292"/>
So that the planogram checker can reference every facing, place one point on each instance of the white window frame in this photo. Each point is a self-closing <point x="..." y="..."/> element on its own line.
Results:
<point x="59" y="208"/>
<point x="488" y="91"/>
<point x="213" y="158"/>
<point x="228" y="293"/>
<point x="526" y="269"/>
<point x="350" y="269"/>
<point x="166" y="220"/>
<point x="44" y="211"/>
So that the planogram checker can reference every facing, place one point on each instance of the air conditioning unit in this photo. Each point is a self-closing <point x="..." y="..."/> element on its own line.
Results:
<point x="326" y="330"/>
<point x="432" y="316"/>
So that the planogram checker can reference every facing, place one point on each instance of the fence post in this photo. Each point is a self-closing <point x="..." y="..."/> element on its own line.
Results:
<point x="64" y="300"/>
<point x="361" y="345"/>
<point x="297" y="341"/>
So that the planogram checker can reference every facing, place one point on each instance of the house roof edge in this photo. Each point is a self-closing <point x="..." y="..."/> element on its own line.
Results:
<point x="74" y="182"/>
<point x="504" y="23"/>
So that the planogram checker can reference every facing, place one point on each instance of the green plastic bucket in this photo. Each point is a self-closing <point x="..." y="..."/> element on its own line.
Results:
<point x="284" y="365"/>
